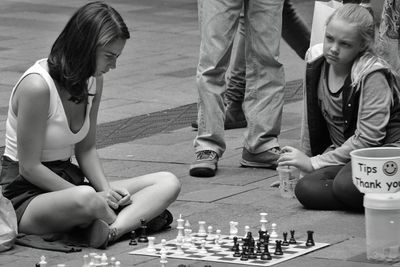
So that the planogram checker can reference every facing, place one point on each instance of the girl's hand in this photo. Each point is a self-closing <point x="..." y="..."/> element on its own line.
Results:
<point x="116" y="197"/>
<point x="293" y="157"/>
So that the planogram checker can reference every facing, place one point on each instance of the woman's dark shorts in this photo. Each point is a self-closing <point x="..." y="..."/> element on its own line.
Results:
<point x="21" y="192"/>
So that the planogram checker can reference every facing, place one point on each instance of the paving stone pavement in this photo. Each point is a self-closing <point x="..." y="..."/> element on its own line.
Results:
<point x="154" y="75"/>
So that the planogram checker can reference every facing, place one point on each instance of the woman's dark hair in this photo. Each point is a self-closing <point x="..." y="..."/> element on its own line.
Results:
<point x="72" y="60"/>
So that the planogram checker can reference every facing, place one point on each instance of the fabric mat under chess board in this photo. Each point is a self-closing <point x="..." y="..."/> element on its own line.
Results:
<point x="224" y="254"/>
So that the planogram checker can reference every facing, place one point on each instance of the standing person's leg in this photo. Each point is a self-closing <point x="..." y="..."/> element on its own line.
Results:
<point x="294" y="30"/>
<point x="236" y="83"/>
<point x="219" y="24"/>
<point x="265" y="80"/>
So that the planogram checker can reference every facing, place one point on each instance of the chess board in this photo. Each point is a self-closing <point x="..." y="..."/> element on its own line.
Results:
<point x="225" y="254"/>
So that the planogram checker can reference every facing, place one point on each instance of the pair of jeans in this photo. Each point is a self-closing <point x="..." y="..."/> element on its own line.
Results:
<point x="294" y="31"/>
<point x="263" y="101"/>
<point x="329" y="188"/>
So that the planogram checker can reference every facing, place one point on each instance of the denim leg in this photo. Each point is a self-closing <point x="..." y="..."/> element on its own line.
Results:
<point x="219" y="22"/>
<point x="263" y="102"/>
<point x="236" y="80"/>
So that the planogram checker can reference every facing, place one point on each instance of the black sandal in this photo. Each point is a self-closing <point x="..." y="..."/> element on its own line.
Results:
<point x="161" y="222"/>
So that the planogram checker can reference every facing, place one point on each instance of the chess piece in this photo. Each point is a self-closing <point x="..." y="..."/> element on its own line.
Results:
<point x="273" y="234"/>
<point x="143" y="235"/>
<point x="112" y="261"/>
<point x="245" y="254"/>
<point x="163" y="249"/>
<point x="265" y="254"/>
<point x="133" y="242"/>
<point x="187" y="224"/>
<point x="233" y="230"/>
<point x="210" y="235"/>
<point x="203" y="249"/>
<point x="237" y="251"/>
<point x="179" y="250"/>
<point x="278" y="247"/>
<point x="235" y="242"/>
<point x="259" y="251"/>
<point x="285" y="242"/>
<point x="42" y="262"/>
<point x="263" y="221"/>
<point x="86" y="261"/>
<point x="292" y="240"/>
<point x="163" y="260"/>
<point x="217" y="240"/>
<point x="187" y="238"/>
<point x="310" y="239"/>
<point x="180" y="227"/>
<point x="252" y="255"/>
<point x="246" y="230"/>
<point x="104" y="260"/>
<point x="202" y="230"/>
<point x="150" y="246"/>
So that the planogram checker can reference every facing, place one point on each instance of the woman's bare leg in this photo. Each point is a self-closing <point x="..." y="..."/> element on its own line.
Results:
<point x="151" y="195"/>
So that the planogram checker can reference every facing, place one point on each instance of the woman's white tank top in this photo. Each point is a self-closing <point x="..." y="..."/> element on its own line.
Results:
<point x="59" y="139"/>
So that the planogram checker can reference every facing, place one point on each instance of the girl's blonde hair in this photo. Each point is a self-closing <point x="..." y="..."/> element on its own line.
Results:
<point x="360" y="17"/>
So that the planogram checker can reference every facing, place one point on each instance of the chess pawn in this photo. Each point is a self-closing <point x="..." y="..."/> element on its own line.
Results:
<point x="203" y="249"/>
<point x="217" y="240"/>
<point x="143" y="234"/>
<point x="273" y="234"/>
<point x="42" y="262"/>
<point x="285" y="242"/>
<point x="292" y="240"/>
<point x="210" y="236"/>
<point x="187" y="238"/>
<point x="163" y="249"/>
<point x="163" y="260"/>
<point x="179" y="250"/>
<point x="278" y="247"/>
<point x="133" y="242"/>
<point x="187" y="224"/>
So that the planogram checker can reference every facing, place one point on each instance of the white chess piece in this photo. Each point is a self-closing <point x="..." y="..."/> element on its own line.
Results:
<point x="163" y="249"/>
<point x="42" y="262"/>
<point x="217" y="239"/>
<point x="180" y="227"/>
<point x="187" y="224"/>
<point x="233" y="230"/>
<point x="179" y="250"/>
<point x="273" y="234"/>
<point x="202" y="230"/>
<point x="188" y="238"/>
<point x="150" y="246"/>
<point x="163" y="260"/>
<point x="203" y="249"/>
<point x="246" y="230"/>
<point x="263" y="221"/>
<point x="210" y="235"/>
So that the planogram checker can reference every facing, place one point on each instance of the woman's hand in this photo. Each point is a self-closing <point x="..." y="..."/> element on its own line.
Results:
<point x="116" y="197"/>
<point x="293" y="157"/>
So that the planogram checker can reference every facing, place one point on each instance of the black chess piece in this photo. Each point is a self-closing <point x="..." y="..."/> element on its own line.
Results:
<point x="252" y="255"/>
<point x="245" y="254"/>
<point x="292" y="240"/>
<point x="266" y="238"/>
<point x="143" y="235"/>
<point x="285" y="241"/>
<point x="278" y="247"/>
<point x="310" y="239"/>
<point x="133" y="242"/>
<point x="235" y="242"/>
<point x="259" y="251"/>
<point x="237" y="251"/>
<point x="261" y="235"/>
<point x="265" y="255"/>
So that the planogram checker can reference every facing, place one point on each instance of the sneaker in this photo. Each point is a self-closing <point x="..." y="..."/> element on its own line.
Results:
<point x="234" y="117"/>
<point x="267" y="159"/>
<point x="205" y="164"/>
